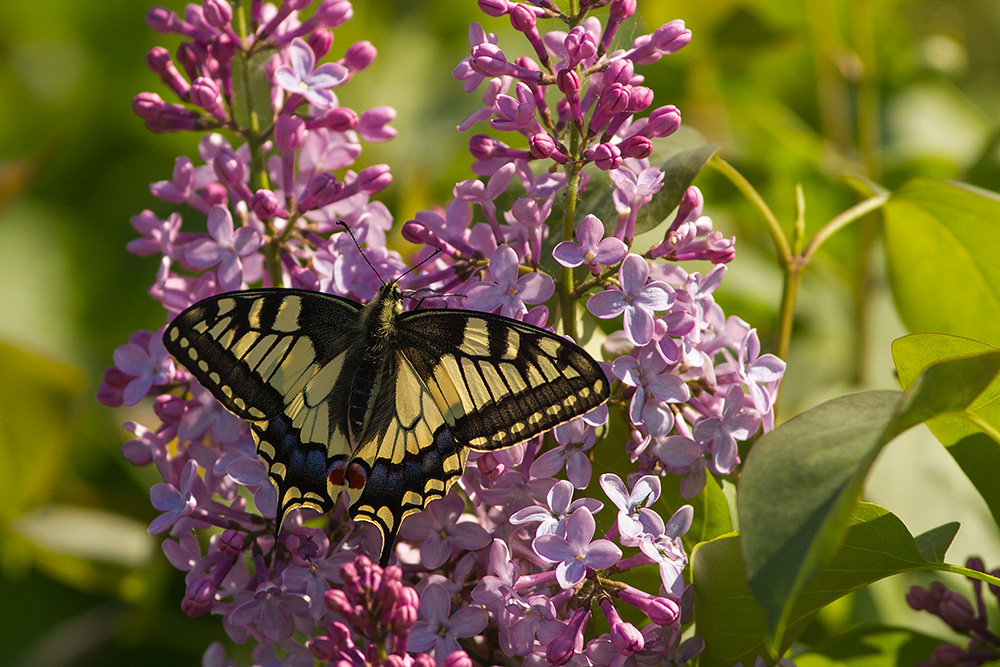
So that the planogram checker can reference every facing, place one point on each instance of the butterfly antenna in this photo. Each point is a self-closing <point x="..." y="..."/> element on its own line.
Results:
<point x="358" y="245"/>
<point x="419" y="264"/>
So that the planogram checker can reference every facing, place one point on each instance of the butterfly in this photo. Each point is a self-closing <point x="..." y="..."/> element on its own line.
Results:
<point x="373" y="400"/>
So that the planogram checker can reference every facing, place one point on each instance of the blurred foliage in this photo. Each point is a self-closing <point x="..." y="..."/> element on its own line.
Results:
<point x="799" y="94"/>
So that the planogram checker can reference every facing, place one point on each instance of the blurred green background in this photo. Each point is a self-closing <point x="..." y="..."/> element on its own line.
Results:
<point x="800" y="93"/>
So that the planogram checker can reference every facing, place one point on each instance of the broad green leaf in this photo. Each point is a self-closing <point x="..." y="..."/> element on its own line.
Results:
<point x="679" y="171"/>
<point x="934" y="543"/>
<point x="942" y="241"/>
<point x="977" y="454"/>
<point x="801" y="481"/>
<point x="734" y="625"/>
<point x="39" y="398"/>
<point x="872" y="646"/>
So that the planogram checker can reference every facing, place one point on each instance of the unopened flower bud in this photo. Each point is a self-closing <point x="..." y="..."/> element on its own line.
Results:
<point x="663" y="611"/>
<point x="230" y="542"/>
<point x="636" y="146"/>
<point x="264" y="204"/>
<point x="618" y="71"/>
<point x="559" y="650"/>
<point x="332" y="13"/>
<point x="147" y="105"/>
<point x="457" y="659"/>
<point x="339" y="119"/>
<point x="359" y="56"/>
<point x="289" y="133"/>
<point x="198" y="597"/>
<point x="663" y="121"/>
<point x="374" y="179"/>
<point x="320" y="41"/>
<point x="494" y="8"/>
<point x="218" y="13"/>
<point x="626" y="638"/>
<point x="161" y="20"/>
<point x="605" y="156"/>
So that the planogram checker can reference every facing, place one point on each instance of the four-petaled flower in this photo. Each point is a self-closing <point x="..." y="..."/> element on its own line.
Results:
<point x="225" y="248"/>
<point x="575" y="552"/>
<point x="439" y="529"/>
<point x="176" y="502"/>
<point x="561" y="507"/>
<point x="509" y="292"/>
<point x="148" y="365"/>
<point x="723" y="432"/>
<point x="300" y="78"/>
<point x="667" y="550"/>
<point x="635" y="298"/>
<point x="440" y="629"/>
<point x="634" y="516"/>
<point x="590" y="247"/>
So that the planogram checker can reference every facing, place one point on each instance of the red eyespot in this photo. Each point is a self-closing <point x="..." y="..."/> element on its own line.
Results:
<point x="356" y="476"/>
<point x="336" y="475"/>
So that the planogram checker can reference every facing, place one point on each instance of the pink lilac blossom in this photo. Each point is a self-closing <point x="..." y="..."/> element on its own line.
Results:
<point x="509" y="567"/>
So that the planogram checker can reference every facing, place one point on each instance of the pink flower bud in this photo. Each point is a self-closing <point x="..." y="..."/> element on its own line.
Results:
<point x="218" y="13"/>
<point x="488" y="60"/>
<point x="289" y="133"/>
<point x="663" y="611"/>
<point x="223" y="48"/>
<point x="332" y="13"/>
<point x="205" y="94"/>
<point x="494" y="8"/>
<point x="157" y="59"/>
<point x="663" y="122"/>
<point x="320" y="191"/>
<point x="523" y="19"/>
<point x="198" y="597"/>
<point x="640" y="97"/>
<point x="580" y="45"/>
<point x="543" y="146"/>
<point x="618" y="71"/>
<point x="338" y="119"/>
<point x="322" y="648"/>
<point x="457" y="659"/>
<point x="559" y="650"/>
<point x="482" y="146"/>
<point x="636" y="146"/>
<point x="147" y="105"/>
<point x="169" y="409"/>
<point x="622" y="9"/>
<point x="264" y="204"/>
<point x="229" y="169"/>
<point x="671" y="37"/>
<point x="336" y="601"/>
<point x="161" y="20"/>
<point x="359" y="56"/>
<point x="230" y="542"/>
<point x="374" y="179"/>
<point x="605" y="156"/>
<point x="626" y="638"/>
<point x="568" y="82"/>
<point x="320" y="41"/>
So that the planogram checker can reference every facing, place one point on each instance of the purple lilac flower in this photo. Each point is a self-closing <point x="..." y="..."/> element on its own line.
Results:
<point x="302" y="77"/>
<point x="560" y="507"/>
<point x="637" y="299"/>
<point x="146" y="362"/>
<point x="666" y="549"/>
<point x="634" y="516"/>
<point x="590" y="247"/>
<point x="721" y="433"/>
<point x="225" y="248"/>
<point x="509" y="293"/>
<point x="440" y="529"/>
<point x="441" y="629"/>
<point x="575" y="552"/>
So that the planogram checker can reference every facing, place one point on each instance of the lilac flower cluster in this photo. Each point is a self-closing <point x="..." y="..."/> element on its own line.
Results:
<point x="964" y="618"/>
<point x="507" y="568"/>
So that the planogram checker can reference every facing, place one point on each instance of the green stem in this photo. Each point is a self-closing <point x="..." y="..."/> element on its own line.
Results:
<point x="781" y="245"/>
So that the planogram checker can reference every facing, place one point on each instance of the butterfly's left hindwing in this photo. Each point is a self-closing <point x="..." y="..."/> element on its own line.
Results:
<point x="382" y="403"/>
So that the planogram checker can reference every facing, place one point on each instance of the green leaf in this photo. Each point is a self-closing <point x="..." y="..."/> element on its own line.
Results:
<point x="801" y="481"/>
<point x="679" y="171"/>
<point x="37" y="421"/>
<point x="975" y="452"/>
<point x="734" y="625"/>
<point x="871" y="646"/>
<point x="942" y="242"/>
<point x="934" y="543"/>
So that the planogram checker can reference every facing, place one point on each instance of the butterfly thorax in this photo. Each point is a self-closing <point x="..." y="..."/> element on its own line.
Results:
<point x="372" y="365"/>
